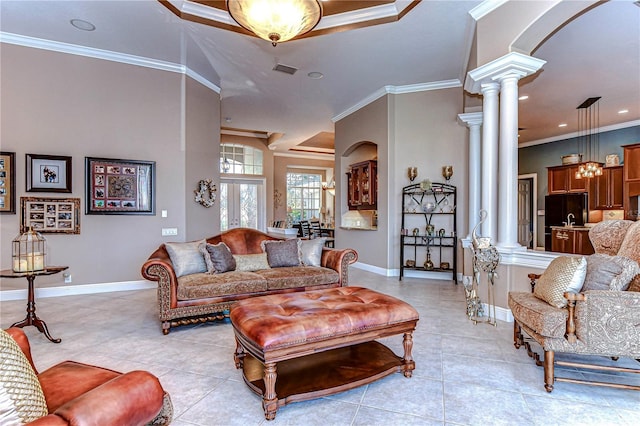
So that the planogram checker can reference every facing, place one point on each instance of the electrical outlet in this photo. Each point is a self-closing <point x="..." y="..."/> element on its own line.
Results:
<point x="168" y="232"/>
<point x="67" y="277"/>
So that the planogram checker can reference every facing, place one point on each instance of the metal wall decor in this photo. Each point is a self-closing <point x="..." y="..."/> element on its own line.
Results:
<point x="205" y="195"/>
<point x="485" y="259"/>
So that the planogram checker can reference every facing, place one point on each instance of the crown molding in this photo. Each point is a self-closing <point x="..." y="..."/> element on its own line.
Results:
<point x="576" y="134"/>
<point x="484" y="8"/>
<point x="397" y="90"/>
<point x="308" y="156"/>
<point x="107" y="55"/>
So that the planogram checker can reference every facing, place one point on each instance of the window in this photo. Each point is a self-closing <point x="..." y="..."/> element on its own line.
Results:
<point x="240" y="159"/>
<point x="304" y="192"/>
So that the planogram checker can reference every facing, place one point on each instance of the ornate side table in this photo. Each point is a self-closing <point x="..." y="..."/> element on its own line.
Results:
<point x="32" y="318"/>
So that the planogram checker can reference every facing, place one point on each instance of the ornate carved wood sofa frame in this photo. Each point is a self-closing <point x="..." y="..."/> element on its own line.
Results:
<point x="175" y="309"/>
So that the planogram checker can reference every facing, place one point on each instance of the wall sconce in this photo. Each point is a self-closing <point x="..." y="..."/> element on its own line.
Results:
<point x="447" y="172"/>
<point x="331" y="187"/>
<point x="412" y="173"/>
<point x="226" y="165"/>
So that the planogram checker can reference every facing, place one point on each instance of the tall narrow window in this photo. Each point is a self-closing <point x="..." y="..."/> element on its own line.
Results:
<point x="240" y="159"/>
<point x="304" y="191"/>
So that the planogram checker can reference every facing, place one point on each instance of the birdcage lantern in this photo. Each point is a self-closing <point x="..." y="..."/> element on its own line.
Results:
<point x="28" y="252"/>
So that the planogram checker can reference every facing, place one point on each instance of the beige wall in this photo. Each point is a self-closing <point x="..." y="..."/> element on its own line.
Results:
<point x="368" y="124"/>
<point x="283" y="164"/>
<point x="417" y="129"/>
<point x="428" y="136"/>
<point x="54" y="103"/>
<point x="202" y="153"/>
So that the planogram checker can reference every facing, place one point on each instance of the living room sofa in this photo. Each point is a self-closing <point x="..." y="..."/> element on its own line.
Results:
<point x="206" y="296"/>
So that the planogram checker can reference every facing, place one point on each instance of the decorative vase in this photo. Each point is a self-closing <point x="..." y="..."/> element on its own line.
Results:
<point x="428" y="264"/>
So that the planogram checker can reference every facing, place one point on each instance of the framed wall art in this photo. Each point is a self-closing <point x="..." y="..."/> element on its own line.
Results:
<point x="119" y="186"/>
<point x="7" y="182"/>
<point x="50" y="215"/>
<point x="48" y="173"/>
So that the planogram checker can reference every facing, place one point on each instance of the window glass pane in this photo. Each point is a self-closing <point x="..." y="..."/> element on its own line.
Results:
<point x="239" y="159"/>
<point x="303" y="196"/>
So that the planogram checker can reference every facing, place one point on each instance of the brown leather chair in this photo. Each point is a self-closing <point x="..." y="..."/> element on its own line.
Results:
<point x="81" y="394"/>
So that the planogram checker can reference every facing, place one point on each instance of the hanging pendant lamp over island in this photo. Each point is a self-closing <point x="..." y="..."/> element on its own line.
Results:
<point x="276" y="20"/>
<point x="589" y="138"/>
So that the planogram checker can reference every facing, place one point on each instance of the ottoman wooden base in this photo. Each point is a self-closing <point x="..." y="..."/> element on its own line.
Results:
<point x="318" y="343"/>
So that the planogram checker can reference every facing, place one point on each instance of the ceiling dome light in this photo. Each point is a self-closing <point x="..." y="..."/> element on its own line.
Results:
<point x="276" y="20"/>
<point x="82" y="25"/>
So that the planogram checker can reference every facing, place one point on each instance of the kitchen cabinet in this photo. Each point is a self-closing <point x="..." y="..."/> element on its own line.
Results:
<point x="631" y="194"/>
<point x="571" y="240"/>
<point x="362" y="185"/>
<point x="562" y="179"/>
<point x="606" y="191"/>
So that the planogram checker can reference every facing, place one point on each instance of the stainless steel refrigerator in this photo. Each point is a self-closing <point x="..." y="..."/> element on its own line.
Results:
<point x="556" y="209"/>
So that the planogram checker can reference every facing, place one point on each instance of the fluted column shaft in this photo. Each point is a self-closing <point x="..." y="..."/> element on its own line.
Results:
<point x="474" y="122"/>
<point x="508" y="162"/>
<point x="490" y="128"/>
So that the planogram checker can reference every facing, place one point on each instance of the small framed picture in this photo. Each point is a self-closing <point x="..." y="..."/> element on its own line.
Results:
<point x="50" y="215"/>
<point x="7" y="182"/>
<point x="115" y="186"/>
<point x="48" y="173"/>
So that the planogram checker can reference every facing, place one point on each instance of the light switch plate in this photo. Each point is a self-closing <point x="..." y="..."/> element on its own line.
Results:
<point x="167" y="232"/>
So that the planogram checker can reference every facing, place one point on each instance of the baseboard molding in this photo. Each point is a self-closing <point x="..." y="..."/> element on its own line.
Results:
<point x="502" y="314"/>
<point x="70" y="290"/>
<point x="445" y="276"/>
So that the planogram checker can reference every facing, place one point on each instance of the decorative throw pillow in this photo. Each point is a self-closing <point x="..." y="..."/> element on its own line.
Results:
<point x="251" y="262"/>
<point x="609" y="272"/>
<point x="21" y="397"/>
<point x="630" y="246"/>
<point x="563" y="274"/>
<point x="282" y="253"/>
<point x="218" y="258"/>
<point x="312" y="251"/>
<point x="186" y="257"/>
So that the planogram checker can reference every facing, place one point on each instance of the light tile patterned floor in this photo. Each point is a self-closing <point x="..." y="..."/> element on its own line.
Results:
<point x="465" y="374"/>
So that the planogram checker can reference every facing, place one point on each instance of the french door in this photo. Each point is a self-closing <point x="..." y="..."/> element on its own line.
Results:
<point x="242" y="204"/>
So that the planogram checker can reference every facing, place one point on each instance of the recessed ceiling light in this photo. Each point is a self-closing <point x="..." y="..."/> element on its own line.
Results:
<point x="623" y="111"/>
<point x="83" y="25"/>
<point x="523" y="98"/>
<point x="315" y="75"/>
<point x="562" y="125"/>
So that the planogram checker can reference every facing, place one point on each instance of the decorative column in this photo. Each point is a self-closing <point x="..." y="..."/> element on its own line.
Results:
<point x="508" y="161"/>
<point x="506" y="70"/>
<point x="490" y="159"/>
<point x="473" y="121"/>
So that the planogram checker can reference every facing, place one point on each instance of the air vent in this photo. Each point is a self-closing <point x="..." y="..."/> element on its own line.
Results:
<point x="285" y="69"/>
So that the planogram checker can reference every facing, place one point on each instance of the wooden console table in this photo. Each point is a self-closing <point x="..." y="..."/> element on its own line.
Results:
<point x="32" y="318"/>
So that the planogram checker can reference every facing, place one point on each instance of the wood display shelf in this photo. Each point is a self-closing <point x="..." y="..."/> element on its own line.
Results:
<point x="325" y="373"/>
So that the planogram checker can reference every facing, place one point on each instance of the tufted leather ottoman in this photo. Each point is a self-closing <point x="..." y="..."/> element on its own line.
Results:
<point x="298" y="346"/>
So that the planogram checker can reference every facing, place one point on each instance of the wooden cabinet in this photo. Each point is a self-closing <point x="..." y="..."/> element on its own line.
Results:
<point x="606" y="191"/>
<point x="362" y="181"/>
<point x="562" y="179"/>
<point x="631" y="192"/>
<point x="574" y="241"/>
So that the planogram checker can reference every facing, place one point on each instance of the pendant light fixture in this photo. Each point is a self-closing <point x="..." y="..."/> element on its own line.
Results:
<point x="276" y="20"/>
<point x="589" y="138"/>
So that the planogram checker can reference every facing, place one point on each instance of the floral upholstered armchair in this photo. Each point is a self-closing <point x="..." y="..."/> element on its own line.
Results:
<point x="586" y="305"/>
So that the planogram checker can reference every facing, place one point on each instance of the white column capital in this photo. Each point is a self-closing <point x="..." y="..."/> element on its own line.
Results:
<point x="512" y="64"/>
<point x="470" y="119"/>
